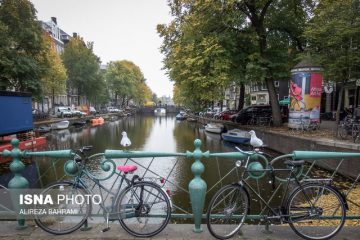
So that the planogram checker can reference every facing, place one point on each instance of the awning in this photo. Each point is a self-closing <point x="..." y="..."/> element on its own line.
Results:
<point x="285" y="101"/>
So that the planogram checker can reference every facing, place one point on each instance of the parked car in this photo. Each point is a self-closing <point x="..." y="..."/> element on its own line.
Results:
<point x="225" y="115"/>
<point x="92" y="110"/>
<point x="77" y="113"/>
<point x="113" y="110"/>
<point x="63" y="112"/>
<point x="247" y="113"/>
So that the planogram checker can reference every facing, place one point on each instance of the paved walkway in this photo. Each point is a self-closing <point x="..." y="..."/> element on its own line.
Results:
<point x="172" y="231"/>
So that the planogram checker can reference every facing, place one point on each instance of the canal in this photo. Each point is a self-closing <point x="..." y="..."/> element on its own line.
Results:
<point x="152" y="134"/>
<point x="147" y="133"/>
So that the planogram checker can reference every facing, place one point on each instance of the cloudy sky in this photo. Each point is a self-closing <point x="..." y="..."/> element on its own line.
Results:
<point x="120" y="29"/>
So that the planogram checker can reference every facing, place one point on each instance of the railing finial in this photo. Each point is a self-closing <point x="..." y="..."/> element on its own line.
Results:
<point x="197" y="186"/>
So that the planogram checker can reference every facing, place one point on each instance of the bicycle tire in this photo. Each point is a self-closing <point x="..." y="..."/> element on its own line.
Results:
<point x="48" y="224"/>
<point x="224" y="227"/>
<point x="343" y="131"/>
<point x="298" y="213"/>
<point x="355" y="132"/>
<point x="134" y="217"/>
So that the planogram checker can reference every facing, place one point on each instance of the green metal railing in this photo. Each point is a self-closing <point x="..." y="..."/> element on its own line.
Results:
<point x="197" y="188"/>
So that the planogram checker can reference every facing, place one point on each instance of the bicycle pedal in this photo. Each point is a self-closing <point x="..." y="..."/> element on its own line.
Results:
<point x="105" y="229"/>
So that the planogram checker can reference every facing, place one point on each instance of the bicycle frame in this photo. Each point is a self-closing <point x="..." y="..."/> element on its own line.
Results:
<point x="108" y="210"/>
<point x="285" y="196"/>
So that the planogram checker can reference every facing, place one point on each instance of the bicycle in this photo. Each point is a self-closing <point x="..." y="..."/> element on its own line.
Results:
<point x="355" y="132"/>
<point x="143" y="208"/>
<point x="306" y="125"/>
<point x="345" y="128"/>
<point x="306" y="203"/>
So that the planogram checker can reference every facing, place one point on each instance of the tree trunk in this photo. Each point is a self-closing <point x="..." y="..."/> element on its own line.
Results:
<point x="53" y="101"/>
<point x="241" y="97"/>
<point x="78" y="102"/>
<point x="116" y="99"/>
<point x="337" y="120"/>
<point x="275" y="108"/>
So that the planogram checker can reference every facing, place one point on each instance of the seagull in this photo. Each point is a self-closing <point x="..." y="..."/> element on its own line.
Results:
<point x="125" y="141"/>
<point x="255" y="141"/>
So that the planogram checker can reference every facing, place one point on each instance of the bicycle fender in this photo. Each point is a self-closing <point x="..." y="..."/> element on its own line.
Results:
<point x="342" y="195"/>
<point x="240" y="183"/>
<point x="162" y="189"/>
<point x="167" y="195"/>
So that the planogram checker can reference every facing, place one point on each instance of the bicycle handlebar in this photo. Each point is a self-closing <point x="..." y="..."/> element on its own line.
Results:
<point x="249" y="153"/>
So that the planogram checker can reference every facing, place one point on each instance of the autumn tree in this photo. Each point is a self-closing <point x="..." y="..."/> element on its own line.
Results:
<point x="54" y="80"/>
<point x="22" y="49"/>
<point x="83" y="67"/>
<point x="127" y="82"/>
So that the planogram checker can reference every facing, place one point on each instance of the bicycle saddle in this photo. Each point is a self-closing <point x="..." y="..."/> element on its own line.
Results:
<point x="127" y="168"/>
<point x="294" y="163"/>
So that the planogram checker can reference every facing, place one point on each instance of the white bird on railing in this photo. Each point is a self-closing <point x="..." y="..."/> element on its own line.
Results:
<point x="125" y="141"/>
<point x="255" y="141"/>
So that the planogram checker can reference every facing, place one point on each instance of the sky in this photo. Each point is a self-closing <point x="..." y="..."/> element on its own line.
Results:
<point x="120" y="29"/>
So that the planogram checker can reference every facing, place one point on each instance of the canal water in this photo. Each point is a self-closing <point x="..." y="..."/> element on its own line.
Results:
<point x="147" y="133"/>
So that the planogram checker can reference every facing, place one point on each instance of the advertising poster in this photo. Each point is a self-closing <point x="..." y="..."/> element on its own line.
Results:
<point x="305" y="98"/>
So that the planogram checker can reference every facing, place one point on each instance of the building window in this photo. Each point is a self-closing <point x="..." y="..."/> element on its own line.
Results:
<point x="253" y="98"/>
<point x="261" y="98"/>
<point x="263" y="86"/>
<point x="254" y="87"/>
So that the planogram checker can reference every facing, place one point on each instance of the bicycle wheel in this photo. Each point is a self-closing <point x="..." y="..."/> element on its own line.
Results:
<point x="227" y="211"/>
<point x="67" y="216"/>
<point x="316" y="211"/>
<point x="355" y="132"/>
<point x="143" y="209"/>
<point x="343" y="131"/>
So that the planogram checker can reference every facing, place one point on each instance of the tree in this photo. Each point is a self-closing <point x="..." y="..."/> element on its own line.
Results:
<point x="83" y="67"/>
<point x="54" y="80"/>
<point x="22" y="49"/>
<point x="333" y="36"/>
<point x="209" y="44"/>
<point x="195" y="56"/>
<point x="126" y="81"/>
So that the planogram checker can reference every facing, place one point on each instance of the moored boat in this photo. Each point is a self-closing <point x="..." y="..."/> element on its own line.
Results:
<point x="43" y="129"/>
<point x="79" y="123"/>
<point x="180" y="116"/>
<point x="97" y="121"/>
<point x="190" y="119"/>
<point x="33" y="144"/>
<point x="60" y="125"/>
<point x="214" y="127"/>
<point x="236" y="136"/>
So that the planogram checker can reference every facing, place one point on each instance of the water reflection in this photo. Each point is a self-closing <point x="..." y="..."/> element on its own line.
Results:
<point x="147" y="133"/>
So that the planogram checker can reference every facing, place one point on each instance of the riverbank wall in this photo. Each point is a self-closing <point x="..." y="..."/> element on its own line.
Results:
<point x="284" y="142"/>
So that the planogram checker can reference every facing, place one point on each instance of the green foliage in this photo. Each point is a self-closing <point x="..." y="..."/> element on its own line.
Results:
<point x="23" y="59"/>
<point x="82" y="67"/>
<point x="210" y="44"/>
<point x="333" y="35"/>
<point x="54" y="80"/>
<point x="126" y="80"/>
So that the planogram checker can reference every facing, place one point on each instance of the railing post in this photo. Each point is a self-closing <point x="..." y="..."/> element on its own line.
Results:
<point x="197" y="186"/>
<point x="18" y="181"/>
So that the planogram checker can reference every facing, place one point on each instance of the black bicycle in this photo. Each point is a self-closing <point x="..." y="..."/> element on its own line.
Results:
<point x="312" y="203"/>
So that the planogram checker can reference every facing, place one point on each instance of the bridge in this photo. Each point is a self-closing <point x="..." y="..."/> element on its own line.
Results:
<point x="169" y="109"/>
<point x="198" y="190"/>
